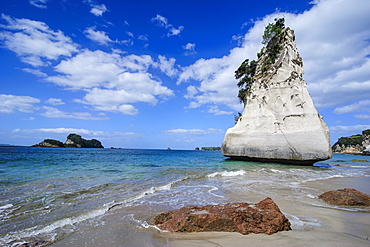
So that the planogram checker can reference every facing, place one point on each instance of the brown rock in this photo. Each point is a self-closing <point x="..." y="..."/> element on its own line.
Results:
<point x="263" y="217"/>
<point x="347" y="197"/>
<point x="34" y="243"/>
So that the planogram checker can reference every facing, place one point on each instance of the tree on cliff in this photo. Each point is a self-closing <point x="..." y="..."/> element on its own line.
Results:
<point x="247" y="70"/>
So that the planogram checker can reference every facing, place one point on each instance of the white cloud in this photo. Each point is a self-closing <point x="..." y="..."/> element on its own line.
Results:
<point x="130" y="34"/>
<point x="98" y="10"/>
<point x="167" y="66"/>
<point x="193" y="132"/>
<point x="55" y="101"/>
<point x="189" y="49"/>
<point x="355" y="107"/>
<point x="34" y="41"/>
<point x="39" y="3"/>
<point x="363" y="116"/>
<point x="52" y="112"/>
<point x="97" y="36"/>
<point x="143" y="37"/>
<point x="333" y="40"/>
<point x="35" y="72"/>
<point x="348" y="130"/>
<point x="216" y="111"/>
<point x="112" y="81"/>
<point x="163" y="22"/>
<point x="84" y="132"/>
<point x="174" y="31"/>
<point x="12" y="103"/>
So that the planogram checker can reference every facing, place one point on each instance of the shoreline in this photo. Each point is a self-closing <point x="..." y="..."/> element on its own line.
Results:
<point x="313" y="224"/>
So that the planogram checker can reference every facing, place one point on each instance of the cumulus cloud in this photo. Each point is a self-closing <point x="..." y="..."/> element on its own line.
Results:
<point x="333" y="40"/>
<point x="55" y="101"/>
<point x="98" y="9"/>
<point x="112" y="81"/>
<point x="189" y="49"/>
<point x="97" y="36"/>
<point x="52" y="112"/>
<point x="11" y="103"/>
<point x="163" y="22"/>
<point x="167" y="66"/>
<point x="34" y="41"/>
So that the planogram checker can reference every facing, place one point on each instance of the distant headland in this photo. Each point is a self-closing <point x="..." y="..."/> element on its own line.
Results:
<point x="73" y="141"/>
<point x="356" y="144"/>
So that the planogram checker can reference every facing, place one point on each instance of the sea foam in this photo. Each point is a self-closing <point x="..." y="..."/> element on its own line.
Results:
<point x="227" y="174"/>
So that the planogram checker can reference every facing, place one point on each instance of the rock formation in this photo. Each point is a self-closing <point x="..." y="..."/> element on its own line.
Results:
<point x="279" y="122"/>
<point x="73" y="141"/>
<point x="263" y="217"/>
<point x="366" y="142"/>
<point x="356" y="144"/>
<point x="346" y="197"/>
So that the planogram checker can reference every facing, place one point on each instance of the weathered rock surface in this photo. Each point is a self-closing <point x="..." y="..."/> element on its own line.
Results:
<point x="347" y="197"/>
<point x="39" y="243"/>
<point x="279" y="122"/>
<point x="263" y="217"/>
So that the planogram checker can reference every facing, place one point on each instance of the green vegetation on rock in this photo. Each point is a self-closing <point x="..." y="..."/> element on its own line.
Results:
<point x="350" y="141"/>
<point x="272" y="38"/>
<point x="359" y="142"/>
<point x="366" y="132"/>
<point x="73" y="141"/>
<point x="211" y="148"/>
<point x="50" y="143"/>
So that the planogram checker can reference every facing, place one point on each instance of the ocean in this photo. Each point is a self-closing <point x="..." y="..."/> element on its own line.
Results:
<point x="107" y="197"/>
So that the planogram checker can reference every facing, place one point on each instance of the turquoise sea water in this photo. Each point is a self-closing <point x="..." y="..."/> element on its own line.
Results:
<point x="52" y="193"/>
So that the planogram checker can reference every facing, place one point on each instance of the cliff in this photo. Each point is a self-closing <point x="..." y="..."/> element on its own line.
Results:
<point x="73" y="141"/>
<point x="279" y="122"/>
<point x="356" y="144"/>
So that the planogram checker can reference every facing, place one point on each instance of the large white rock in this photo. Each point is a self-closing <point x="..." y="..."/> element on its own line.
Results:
<point x="279" y="122"/>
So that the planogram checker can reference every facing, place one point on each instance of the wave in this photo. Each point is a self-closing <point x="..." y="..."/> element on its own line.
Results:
<point x="147" y="192"/>
<point x="37" y="230"/>
<point x="49" y="230"/>
<point x="227" y="174"/>
<point x="303" y="222"/>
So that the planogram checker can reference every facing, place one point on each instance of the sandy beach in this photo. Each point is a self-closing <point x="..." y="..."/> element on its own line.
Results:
<point x="313" y="224"/>
<point x="340" y="226"/>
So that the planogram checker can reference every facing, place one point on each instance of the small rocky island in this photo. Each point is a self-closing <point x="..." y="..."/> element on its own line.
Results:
<point x="279" y="122"/>
<point x="356" y="144"/>
<point x="73" y="141"/>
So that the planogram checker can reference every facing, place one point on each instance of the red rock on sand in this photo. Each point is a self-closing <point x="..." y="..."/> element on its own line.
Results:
<point x="346" y="197"/>
<point x="263" y="217"/>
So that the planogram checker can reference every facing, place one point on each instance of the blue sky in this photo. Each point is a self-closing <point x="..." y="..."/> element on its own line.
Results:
<point x="158" y="74"/>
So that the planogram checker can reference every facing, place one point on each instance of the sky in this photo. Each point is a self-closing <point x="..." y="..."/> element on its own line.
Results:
<point x="158" y="74"/>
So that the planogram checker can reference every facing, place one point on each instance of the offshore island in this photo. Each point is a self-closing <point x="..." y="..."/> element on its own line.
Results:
<point x="72" y="141"/>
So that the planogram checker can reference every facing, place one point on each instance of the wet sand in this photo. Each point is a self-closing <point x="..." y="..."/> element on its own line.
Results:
<point x="336" y="226"/>
<point x="314" y="223"/>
